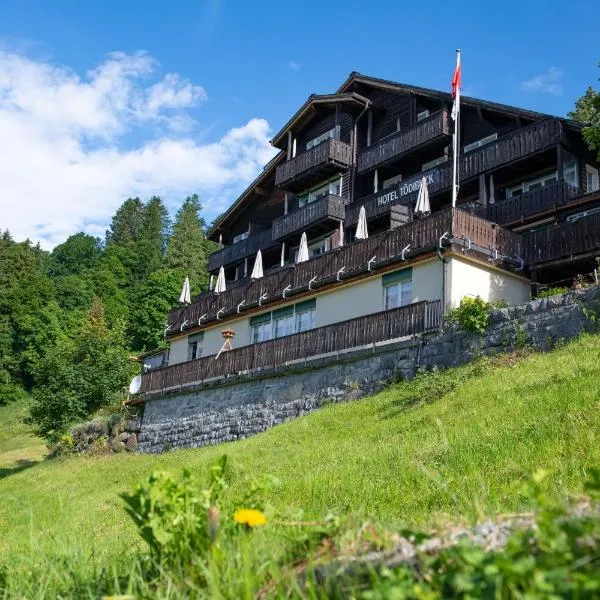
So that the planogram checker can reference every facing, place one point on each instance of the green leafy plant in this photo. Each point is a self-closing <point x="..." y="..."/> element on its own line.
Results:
<point x="177" y="519"/>
<point x="472" y="315"/>
<point x="552" y="291"/>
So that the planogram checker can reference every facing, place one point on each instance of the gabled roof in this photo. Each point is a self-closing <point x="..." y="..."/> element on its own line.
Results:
<point x="376" y="82"/>
<point x="309" y="107"/>
<point x="268" y="171"/>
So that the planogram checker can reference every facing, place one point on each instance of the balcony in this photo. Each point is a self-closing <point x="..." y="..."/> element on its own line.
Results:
<point x="433" y="128"/>
<point x="350" y="261"/>
<point x="420" y="317"/>
<point x="240" y="250"/>
<point x="328" y="208"/>
<point x="438" y="178"/>
<point x="326" y="159"/>
<point x="508" y="149"/>
<point x="564" y="242"/>
<point x="534" y="202"/>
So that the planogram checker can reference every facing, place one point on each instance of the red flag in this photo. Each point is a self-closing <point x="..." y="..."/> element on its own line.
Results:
<point x="457" y="77"/>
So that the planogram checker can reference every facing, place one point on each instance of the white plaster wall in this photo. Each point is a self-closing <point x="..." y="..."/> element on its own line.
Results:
<point x="349" y="302"/>
<point x="178" y="351"/>
<point x="470" y="279"/>
<point x="213" y="340"/>
<point x="427" y="280"/>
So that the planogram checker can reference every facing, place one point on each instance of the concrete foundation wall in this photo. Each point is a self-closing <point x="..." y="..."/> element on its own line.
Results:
<point x="240" y="406"/>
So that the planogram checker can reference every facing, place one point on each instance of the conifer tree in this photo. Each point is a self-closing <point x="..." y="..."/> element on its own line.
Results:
<point x="152" y="242"/>
<point x="188" y="248"/>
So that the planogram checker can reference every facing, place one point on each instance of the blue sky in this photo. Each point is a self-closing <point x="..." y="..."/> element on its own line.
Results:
<point x="242" y="67"/>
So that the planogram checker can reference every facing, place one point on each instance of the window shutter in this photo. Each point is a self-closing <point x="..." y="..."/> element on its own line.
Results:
<point x="397" y="276"/>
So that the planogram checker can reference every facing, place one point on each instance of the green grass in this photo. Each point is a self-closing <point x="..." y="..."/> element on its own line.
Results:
<point x="19" y="448"/>
<point x="446" y="447"/>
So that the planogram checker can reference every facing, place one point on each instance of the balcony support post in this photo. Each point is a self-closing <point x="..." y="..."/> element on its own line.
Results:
<point x="246" y="267"/>
<point x="559" y="163"/>
<point x="289" y="144"/>
<point x="210" y="283"/>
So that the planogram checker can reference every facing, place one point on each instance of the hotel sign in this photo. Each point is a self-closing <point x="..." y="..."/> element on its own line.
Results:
<point x="403" y="189"/>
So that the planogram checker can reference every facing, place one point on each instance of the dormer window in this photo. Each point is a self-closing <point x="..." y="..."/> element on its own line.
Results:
<point x="320" y="139"/>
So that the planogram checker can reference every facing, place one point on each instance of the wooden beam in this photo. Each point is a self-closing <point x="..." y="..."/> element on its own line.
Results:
<point x="260" y="191"/>
<point x="289" y="144"/>
<point x="559" y="162"/>
<point x="369" y="127"/>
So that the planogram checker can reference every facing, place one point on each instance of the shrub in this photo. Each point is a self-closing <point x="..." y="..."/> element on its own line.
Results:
<point x="472" y="314"/>
<point x="552" y="291"/>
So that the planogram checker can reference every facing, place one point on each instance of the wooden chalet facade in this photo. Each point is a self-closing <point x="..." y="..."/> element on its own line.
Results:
<point x="528" y="211"/>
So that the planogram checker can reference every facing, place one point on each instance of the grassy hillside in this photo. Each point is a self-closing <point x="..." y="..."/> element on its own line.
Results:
<point x="19" y="448"/>
<point x="445" y="447"/>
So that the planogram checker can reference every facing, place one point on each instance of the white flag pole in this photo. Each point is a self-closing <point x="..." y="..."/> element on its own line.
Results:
<point x="455" y="136"/>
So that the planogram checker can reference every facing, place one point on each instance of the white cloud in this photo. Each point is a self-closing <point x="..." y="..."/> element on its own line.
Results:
<point x="548" y="83"/>
<point x="64" y="164"/>
<point x="294" y="66"/>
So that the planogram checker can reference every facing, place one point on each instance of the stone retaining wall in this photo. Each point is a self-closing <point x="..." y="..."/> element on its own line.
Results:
<point x="240" y="406"/>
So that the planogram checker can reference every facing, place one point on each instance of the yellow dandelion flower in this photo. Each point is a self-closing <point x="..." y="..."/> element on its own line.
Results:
<point x="250" y="517"/>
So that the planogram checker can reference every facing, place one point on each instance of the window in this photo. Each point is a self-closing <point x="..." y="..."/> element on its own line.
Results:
<point x="315" y="248"/>
<point x="570" y="173"/>
<point x="592" y="179"/>
<point x="391" y="181"/>
<point x="261" y="328"/>
<point x="422" y="115"/>
<point x="481" y="142"/>
<point x="397" y="289"/>
<point x="195" y="343"/>
<point x="242" y="236"/>
<point x="333" y="187"/>
<point x="305" y="315"/>
<point x="320" y="139"/>
<point x="434" y="163"/>
<point x="283" y="321"/>
<point x="532" y="184"/>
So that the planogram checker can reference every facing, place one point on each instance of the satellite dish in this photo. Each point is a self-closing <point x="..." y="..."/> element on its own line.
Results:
<point x="135" y="385"/>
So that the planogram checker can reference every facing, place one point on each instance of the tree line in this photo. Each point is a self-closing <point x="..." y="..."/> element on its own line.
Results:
<point x="71" y="319"/>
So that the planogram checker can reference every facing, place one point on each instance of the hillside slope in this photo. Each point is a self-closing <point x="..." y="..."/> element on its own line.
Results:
<point x="444" y="447"/>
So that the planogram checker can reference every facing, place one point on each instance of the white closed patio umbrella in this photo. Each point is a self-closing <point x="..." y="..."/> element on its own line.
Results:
<point x="185" y="296"/>
<point x="422" y="207"/>
<point x="492" y="199"/>
<point x="220" y="287"/>
<point x="303" y="250"/>
<point x="257" y="270"/>
<point x="361" y="227"/>
<point x="341" y="234"/>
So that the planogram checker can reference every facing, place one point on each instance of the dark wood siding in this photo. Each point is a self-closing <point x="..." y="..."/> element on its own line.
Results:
<point x="323" y="121"/>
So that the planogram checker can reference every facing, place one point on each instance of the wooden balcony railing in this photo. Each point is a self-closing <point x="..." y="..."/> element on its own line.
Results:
<point x="434" y="127"/>
<point x="344" y="263"/>
<point x="531" y="203"/>
<point x="329" y="155"/>
<point x="240" y="250"/>
<point x="509" y="148"/>
<point x="328" y="207"/>
<point x="563" y="241"/>
<point x="420" y="317"/>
